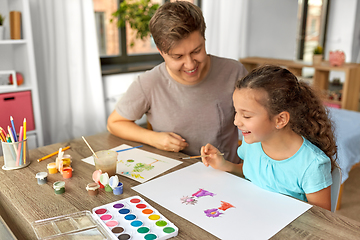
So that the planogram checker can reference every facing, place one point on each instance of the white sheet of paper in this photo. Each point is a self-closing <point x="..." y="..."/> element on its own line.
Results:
<point x="138" y="164"/>
<point x="257" y="213"/>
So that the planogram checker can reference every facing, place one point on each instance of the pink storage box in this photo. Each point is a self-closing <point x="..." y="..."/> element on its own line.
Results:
<point x="333" y="105"/>
<point x="19" y="106"/>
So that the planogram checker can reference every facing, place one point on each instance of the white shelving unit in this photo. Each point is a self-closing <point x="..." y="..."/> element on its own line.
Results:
<point x="18" y="55"/>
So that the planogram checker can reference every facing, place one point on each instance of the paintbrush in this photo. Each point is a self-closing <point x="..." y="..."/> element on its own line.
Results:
<point x="89" y="147"/>
<point x="200" y="156"/>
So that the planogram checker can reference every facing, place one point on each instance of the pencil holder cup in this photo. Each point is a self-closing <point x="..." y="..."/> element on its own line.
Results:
<point x="16" y="155"/>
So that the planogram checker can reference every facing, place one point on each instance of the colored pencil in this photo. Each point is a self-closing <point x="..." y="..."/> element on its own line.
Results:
<point x="52" y="154"/>
<point x="122" y="150"/>
<point x="19" y="153"/>
<point x="12" y="138"/>
<point x="10" y="134"/>
<point x="3" y="133"/>
<point x="200" y="156"/>
<point x="13" y="152"/>
<point x="2" y="130"/>
<point x="24" y="138"/>
<point x="3" y="139"/>
<point x="13" y="129"/>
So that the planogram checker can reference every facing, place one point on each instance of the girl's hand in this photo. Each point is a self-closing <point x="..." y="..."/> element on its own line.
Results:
<point x="214" y="160"/>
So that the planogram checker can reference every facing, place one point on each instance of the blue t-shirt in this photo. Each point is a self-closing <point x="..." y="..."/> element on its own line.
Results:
<point x="307" y="171"/>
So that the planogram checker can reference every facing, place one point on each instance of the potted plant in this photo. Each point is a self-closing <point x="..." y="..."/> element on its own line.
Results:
<point x="2" y="18"/>
<point x="317" y="55"/>
<point x="138" y="14"/>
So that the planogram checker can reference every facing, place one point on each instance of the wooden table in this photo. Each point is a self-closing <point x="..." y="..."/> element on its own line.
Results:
<point x="23" y="201"/>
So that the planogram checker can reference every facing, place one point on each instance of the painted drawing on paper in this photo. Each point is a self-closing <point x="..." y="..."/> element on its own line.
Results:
<point x="212" y="212"/>
<point x="134" y="169"/>
<point x="142" y="165"/>
<point x="139" y="164"/>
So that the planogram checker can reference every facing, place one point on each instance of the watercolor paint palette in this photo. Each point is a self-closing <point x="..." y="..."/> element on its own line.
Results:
<point x="133" y="218"/>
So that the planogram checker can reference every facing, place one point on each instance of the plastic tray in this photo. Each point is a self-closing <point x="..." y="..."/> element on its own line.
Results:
<point x="75" y="226"/>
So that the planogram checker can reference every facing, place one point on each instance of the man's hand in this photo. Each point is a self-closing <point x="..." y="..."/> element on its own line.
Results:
<point x="168" y="141"/>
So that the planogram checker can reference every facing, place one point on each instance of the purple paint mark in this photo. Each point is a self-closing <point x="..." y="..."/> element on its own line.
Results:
<point x="202" y="193"/>
<point x="214" y="212"/>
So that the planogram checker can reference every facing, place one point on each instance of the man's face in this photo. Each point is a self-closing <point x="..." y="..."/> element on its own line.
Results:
<point x="187" y="62"/>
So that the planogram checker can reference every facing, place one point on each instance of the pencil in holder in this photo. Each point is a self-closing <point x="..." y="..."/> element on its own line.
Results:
<point x="16" y="155"/>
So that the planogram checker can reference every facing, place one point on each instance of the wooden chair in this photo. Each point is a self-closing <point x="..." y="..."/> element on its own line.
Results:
<point x="335" y="188"/>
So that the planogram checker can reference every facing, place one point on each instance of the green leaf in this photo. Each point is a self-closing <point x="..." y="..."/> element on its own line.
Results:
<point x="138" y="14"/>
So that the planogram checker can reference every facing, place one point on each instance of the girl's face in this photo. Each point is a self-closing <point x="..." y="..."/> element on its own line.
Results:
<point x="187" y="62"/>
<point x="251" y="116"/>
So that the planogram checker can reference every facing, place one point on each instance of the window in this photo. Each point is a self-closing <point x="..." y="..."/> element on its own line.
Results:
<point x="116" y="54"/>
<point x="312" y="18"/>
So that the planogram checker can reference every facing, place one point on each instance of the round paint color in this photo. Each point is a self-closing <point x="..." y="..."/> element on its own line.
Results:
<point x="135" y="200"/>
<point x="67" y="172"/>
<point x="154" y="217"/>
<point x="101" y="211"/>
<point x="130" y="217"/>
<point x="124" y="211"/>
<point x="141" y="206"/>
<point x="118" y="205"/>
<point x="59" y="187"/>
<point x="136" y="223"/>
<point x="118" y="230"/>
<point x="161" y="223"/>
<point x="147" y="211"/>
<point x="112" y="223"/>
<point x="106" y="217"/>
<point x="52" y="168"/>
<point x="168" y="230"/>
<point x="143" y="230"/>
<point x="41" y="177"/>
<point x="124" y="236"/>
<point x="119" y="189"/>
<point x="150" y="236"/>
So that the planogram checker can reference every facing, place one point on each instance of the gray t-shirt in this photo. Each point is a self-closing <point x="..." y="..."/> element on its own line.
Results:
<point x="201" y="113"/>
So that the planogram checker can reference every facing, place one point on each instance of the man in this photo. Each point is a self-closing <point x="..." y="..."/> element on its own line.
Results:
<point x="188" y="98"/>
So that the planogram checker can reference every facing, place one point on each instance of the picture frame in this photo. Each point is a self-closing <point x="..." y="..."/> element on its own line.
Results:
<point x="4" y="79"/>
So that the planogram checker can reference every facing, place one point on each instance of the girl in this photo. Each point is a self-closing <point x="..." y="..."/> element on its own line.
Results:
<point x="289" y="145"/>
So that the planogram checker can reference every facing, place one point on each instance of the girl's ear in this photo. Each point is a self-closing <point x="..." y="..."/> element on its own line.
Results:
<point x="282" y="119"/>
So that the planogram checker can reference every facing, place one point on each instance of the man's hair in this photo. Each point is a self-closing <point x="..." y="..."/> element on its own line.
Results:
<point x="175" y="21"/>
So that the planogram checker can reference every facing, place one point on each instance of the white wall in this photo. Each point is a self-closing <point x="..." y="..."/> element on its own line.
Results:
<point x="341" y="31"/>
<point x="115" y="86"/>
<point x="272" y="27"/>
<point x="341" y="26"/>
<point x="356" y="43"/>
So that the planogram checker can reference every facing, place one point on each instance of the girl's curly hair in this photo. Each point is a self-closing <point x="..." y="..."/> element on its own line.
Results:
<point x="308" y="116"/>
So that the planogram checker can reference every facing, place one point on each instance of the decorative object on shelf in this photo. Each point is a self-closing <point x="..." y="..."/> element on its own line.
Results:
<point x="4" y="79"/>
<point x="137" y="14"/>
<point x="19" y="79"/>
<point x="332" y="98"/>
<point x="336" y="58"/>
<point x="15" y="25"/>
<point x="317" y="55"/>
<point x="2" y="28"/>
